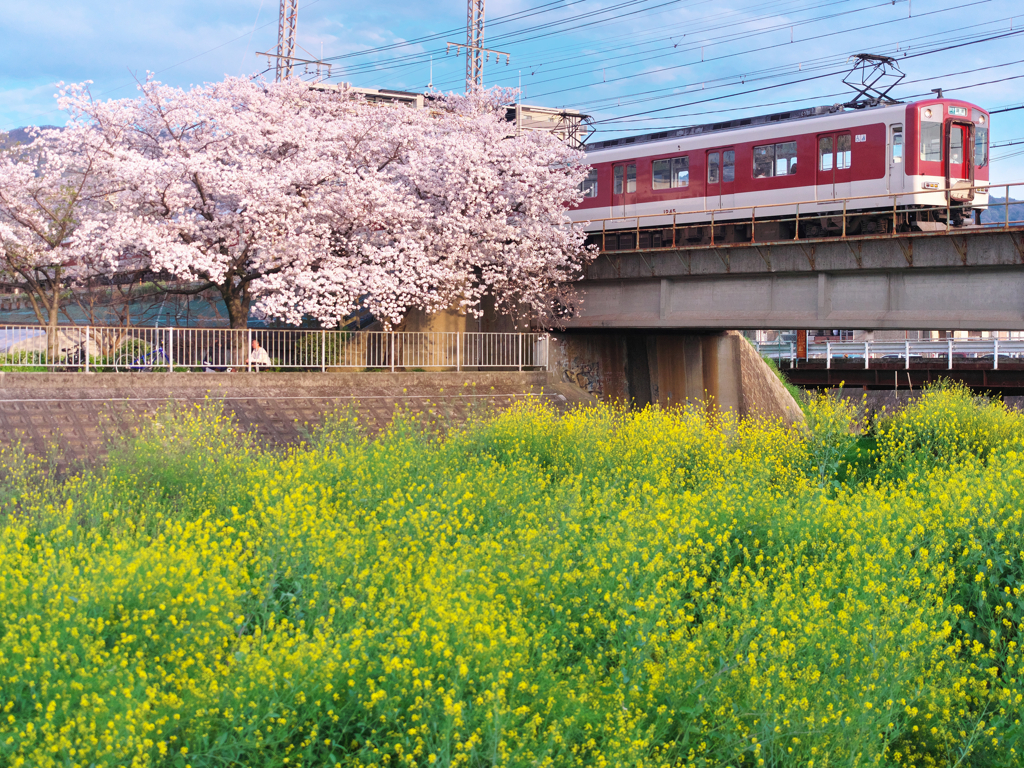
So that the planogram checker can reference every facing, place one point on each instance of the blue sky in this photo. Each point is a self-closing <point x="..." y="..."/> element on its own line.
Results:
<point x="635" y="65"/>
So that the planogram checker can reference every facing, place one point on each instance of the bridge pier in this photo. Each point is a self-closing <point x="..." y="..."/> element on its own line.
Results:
<point x="720" y="370"/>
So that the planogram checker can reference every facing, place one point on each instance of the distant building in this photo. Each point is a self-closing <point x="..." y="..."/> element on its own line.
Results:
<point x="569" y="125"/>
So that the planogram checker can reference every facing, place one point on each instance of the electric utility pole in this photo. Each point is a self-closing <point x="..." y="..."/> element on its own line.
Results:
<point x="474" y="44"/>
<point x="475" y="51"/>
<point x="285" y="59"/>
<point x="286" y="38"/>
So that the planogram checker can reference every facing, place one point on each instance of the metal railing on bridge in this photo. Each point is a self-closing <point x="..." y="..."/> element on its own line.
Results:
<point x="804" y="221"/>
<point x="986" y="353"/>
<point x="136" y="349"/>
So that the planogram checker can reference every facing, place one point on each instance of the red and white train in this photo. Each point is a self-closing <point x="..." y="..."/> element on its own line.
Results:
<point x="931" y="155"/>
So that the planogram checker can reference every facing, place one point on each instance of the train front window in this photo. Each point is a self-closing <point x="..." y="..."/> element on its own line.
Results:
<point x="631" y="178"/>
<point x="825" y="153"/>
<point x="729" y="165"/>
<point x="980" y="146"/>
<point x="671" y="172"/>
<point x="931" y="142"/>
<point x="618" y="180"/>
<point x="713" y="168"/>
<point x="589" y="185"/>
<point x="843" y="154"/>
<point x="956" y="145"/>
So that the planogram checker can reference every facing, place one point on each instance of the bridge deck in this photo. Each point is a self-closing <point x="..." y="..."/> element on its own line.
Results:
<point x="970" y="279"/>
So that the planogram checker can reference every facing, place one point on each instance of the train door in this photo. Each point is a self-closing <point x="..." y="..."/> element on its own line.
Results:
<point x="835" y="158"/>
<point x="844" y="163"/>
<point x="623" y="189"/>
<point x="897" y="174"/>
<point x="959" y="163"/>
<point x="721" y="182"/>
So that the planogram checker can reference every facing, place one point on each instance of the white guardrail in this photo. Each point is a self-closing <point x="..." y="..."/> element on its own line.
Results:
<point x="111" y="349"/>
<point x="952" y="351"/>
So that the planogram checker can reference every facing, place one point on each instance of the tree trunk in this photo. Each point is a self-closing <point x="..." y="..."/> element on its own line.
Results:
<point x="43" y="291"/>
<point x="236" y="299"/>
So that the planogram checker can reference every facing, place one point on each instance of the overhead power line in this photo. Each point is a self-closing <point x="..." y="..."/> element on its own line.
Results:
<point x="421" y="57"/>
<point x="404" y="63"/>
<point x="760" y="49"/>
<point x="544" y="8"/>
<point x="806" y="65"/>
<point x="804" y="80"/>
<point x="903" y="84"/>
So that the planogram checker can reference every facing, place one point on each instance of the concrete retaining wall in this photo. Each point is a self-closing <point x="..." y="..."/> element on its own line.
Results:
<point x="76" y="413"/>
<point x="721" y="370"/>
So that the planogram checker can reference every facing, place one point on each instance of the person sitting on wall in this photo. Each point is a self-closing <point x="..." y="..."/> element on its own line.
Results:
<point x="258" y="355"/>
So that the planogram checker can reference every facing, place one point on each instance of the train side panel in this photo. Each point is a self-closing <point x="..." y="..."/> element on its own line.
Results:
<point x="840" y="156"/>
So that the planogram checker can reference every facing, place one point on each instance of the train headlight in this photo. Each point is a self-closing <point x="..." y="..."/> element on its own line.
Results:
<point x="981" y="119"/>
<point x="927" y="113"/>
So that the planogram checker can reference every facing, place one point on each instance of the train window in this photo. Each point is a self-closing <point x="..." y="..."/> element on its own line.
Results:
<point x="631" y="177"/>
<point x="956" y="145"/>
<point x="729" y="165"/>
<point x="980" y="146"/>
<point x="764" y="161"/>
<point x="713" y="168"/>
<point x="843" y="154"/>
<point x="589" y="185"/>
<point x="931" y="141"/>
<point x="775" y="160"/>
<point x="785" y="158"/>
<point x="897" y="144"/>
<point x="671" y="172"/>
<point x="825" y="153"/>
<point x="618" y="180"/>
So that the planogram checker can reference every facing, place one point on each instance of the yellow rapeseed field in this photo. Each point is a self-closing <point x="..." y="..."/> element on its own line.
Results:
<point x="602" y="588"/>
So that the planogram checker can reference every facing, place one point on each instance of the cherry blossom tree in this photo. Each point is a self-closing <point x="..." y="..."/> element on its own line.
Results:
<point x="55" y="197"/>
<point x="460" y="208"/>
<point x="295" y="201"/>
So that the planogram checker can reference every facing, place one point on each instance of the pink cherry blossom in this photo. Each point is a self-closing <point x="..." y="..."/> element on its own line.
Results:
<point x="293" y="201"/>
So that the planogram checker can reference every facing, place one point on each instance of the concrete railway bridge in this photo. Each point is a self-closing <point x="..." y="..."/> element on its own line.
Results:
<point x="968" y="279"/>
<point x="651" y="323"/>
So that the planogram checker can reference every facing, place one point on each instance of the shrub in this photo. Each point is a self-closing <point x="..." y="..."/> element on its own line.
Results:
<point x="600" y="588"/>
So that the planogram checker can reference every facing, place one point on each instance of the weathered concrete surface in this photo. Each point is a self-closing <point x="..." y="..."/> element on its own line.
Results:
<point x="721" y="370"/>
<point x="763" y="394"/>
<point x="76" y="413"/>
<point x="877" y="401"/>
<point x="952" y="299"/>
<point x="967" y="249"/>
<point x="973" y="280"/>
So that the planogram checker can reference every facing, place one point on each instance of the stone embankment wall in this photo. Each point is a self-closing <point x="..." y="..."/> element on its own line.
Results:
<point x="76" y="413"/>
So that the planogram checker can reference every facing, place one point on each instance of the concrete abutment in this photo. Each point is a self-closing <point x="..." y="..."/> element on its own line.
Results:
<point x="720" y="370"/>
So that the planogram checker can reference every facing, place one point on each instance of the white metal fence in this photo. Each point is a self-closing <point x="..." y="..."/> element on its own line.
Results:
<point x="987" y="352"/>
<point x="112" y="349"/>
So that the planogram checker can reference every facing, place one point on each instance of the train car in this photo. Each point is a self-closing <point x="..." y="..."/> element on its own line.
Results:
<point x="908" y="166"/>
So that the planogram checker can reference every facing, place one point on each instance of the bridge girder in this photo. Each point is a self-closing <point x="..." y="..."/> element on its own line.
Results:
<point x="967" y="281"/>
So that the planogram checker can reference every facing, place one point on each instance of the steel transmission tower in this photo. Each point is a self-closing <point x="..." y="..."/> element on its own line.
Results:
<point x="474" y="44"/>
<point x="286" y="37"/>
